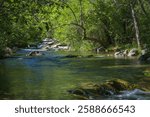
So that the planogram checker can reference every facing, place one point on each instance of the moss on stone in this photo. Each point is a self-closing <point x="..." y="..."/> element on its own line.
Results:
<point x="108" y="88"/>
<point x="147" y="72"/>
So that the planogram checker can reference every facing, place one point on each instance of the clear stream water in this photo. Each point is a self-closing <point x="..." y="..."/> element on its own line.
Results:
<point x="50" y="76"/>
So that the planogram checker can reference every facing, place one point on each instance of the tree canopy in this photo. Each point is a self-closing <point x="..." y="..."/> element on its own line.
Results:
<point x="82" y="24"/>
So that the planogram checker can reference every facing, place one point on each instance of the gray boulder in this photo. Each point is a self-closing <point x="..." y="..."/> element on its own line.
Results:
<point x="100" y="49"/>
<point x="8" y="52"/>
<point x="126" y="52"/>
<point x="133" y="52"/>
<point x="119" y="54"/>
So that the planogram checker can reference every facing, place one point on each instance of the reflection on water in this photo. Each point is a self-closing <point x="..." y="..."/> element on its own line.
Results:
<point x="50" y="76"/>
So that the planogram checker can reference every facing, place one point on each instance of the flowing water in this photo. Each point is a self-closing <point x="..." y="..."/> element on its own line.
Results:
<point x="51" y="75"/>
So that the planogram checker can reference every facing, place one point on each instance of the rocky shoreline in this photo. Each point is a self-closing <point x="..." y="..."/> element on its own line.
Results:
<point x="51" y="44"/>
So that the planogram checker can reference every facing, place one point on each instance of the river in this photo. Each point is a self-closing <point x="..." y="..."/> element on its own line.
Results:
<point x="51" y="75"/>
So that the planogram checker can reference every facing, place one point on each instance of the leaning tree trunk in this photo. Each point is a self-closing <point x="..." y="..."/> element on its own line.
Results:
<point x="81" y="30"/>
<point x="137" y="33"/>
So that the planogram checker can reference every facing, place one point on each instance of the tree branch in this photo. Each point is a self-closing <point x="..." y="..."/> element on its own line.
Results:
<point x="143" y="9"/>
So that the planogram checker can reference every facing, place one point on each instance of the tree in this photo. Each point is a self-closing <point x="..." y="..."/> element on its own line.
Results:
<point x="82" y="24"/>
<point x="137" y="33"/>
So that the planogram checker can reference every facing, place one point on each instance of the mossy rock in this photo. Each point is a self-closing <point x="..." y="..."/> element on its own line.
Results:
<point x="86" y="90"/>
<point x="89" y="86"/>
<point x="108" y="88"/>
<point x="144" y="84"/>
<point x="77" y="92"/>
<point x="147" y="72"/>
<point x="119" y="85"/>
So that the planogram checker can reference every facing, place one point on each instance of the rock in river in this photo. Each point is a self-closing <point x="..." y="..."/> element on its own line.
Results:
<point x="35" y="53"/>
<point x="108" y="88"/>
<point x="8" y="52"/>
<point x="133" y="52"/>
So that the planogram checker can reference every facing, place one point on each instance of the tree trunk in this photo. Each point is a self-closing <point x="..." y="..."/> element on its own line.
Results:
<point x="137" y="33"/>
<point x="81" y="31"/>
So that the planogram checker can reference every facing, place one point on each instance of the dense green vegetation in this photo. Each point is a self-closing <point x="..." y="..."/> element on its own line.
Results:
<point x="83" y="24"/>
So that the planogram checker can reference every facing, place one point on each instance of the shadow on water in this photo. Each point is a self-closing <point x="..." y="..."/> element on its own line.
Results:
<point x="50" y="76"/>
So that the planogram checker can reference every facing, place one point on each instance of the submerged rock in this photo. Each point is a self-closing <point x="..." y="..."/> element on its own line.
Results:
<point x="95" y="90"/>
<point x="35" y="53"/>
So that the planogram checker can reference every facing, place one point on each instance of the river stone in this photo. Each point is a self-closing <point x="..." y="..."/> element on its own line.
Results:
<point x="126" y="52"/>
<point x="35" y="53"/>
<point x="8" y="52"/>
<point x="119" y="54"/>
<point x="105" y="89"/>
<point x="119" y="85"/>
<point x="100" y="49"/>
<point x="133" y="52"/>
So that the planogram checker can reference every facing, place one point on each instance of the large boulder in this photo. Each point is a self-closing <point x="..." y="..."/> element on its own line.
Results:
<point x="46" y="44"/>
<point x="8" y="52"/>
<point x="133" y="52"/>
<point x="63" y="47"/>
<point x="119" y="54"/>
<point x="125" y="52"/>
<point x="108" y="88"/>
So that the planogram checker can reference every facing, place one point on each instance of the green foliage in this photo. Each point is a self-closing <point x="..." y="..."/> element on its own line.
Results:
<point x="82" y="24"/>
<point x="147" y="72"/>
